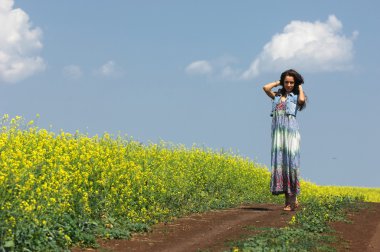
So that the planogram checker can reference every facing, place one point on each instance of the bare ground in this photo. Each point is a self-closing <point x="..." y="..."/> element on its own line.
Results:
<point x="215" y="230"/>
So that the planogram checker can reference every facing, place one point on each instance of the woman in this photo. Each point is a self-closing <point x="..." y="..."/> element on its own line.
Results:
<point x="285" y="153"/>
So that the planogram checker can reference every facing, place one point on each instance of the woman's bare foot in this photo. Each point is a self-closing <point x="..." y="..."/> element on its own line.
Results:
<point x="288" y="208"/>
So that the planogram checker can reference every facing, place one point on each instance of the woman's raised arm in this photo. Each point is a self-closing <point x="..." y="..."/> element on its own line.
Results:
<point x="268" y="88"/>
<point x="301" y="96"/>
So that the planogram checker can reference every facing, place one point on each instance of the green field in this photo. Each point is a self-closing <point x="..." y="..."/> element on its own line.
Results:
<point x="60" y="190"/>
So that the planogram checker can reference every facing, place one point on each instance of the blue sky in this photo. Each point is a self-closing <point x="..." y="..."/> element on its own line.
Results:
<point x="192" y="73"/>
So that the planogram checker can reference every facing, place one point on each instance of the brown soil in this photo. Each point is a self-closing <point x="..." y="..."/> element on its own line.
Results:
<point x="215" y="230"/>
<point x="362" y="232"/>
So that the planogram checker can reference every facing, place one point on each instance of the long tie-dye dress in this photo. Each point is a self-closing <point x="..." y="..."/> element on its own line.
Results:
<point x="285" y="153"/>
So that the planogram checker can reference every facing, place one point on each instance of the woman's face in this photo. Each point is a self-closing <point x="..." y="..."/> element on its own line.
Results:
<point x="289" y="83"/>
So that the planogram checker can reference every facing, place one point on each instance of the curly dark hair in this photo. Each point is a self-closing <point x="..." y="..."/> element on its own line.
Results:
<point x="298" y="80"/>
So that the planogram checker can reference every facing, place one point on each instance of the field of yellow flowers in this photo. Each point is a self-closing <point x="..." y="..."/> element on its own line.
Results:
<point x="61" y="189"/>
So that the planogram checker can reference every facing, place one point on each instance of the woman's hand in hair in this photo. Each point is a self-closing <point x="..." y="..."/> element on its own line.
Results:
<point x="301" y="96"/>
<point x="268" y="88"/>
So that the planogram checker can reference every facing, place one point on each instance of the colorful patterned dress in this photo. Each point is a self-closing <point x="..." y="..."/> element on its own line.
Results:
<point x="285" y="153"/>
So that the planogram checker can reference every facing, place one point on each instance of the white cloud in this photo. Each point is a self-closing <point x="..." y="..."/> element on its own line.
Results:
<point x="311" y="47"/>
<point x="200" y="67"/>
<point x="223" y="67"/>
<point x="72" y="72"/>
<point x="20" y="44"/>
<point x="110" y="69"/>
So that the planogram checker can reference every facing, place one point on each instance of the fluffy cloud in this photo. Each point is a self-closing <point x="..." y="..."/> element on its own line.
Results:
<point x="200" y="67"/>
<point x="311" y="47"/>
<point x="72" y="72"/>
<point x="19" y="44"/>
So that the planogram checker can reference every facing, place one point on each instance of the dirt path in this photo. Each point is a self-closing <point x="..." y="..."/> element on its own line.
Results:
<point x="374" y="244"/>
<point x="212" y="231"/>
<point x="209" y="231"/>
<point x="363" y="233"/>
